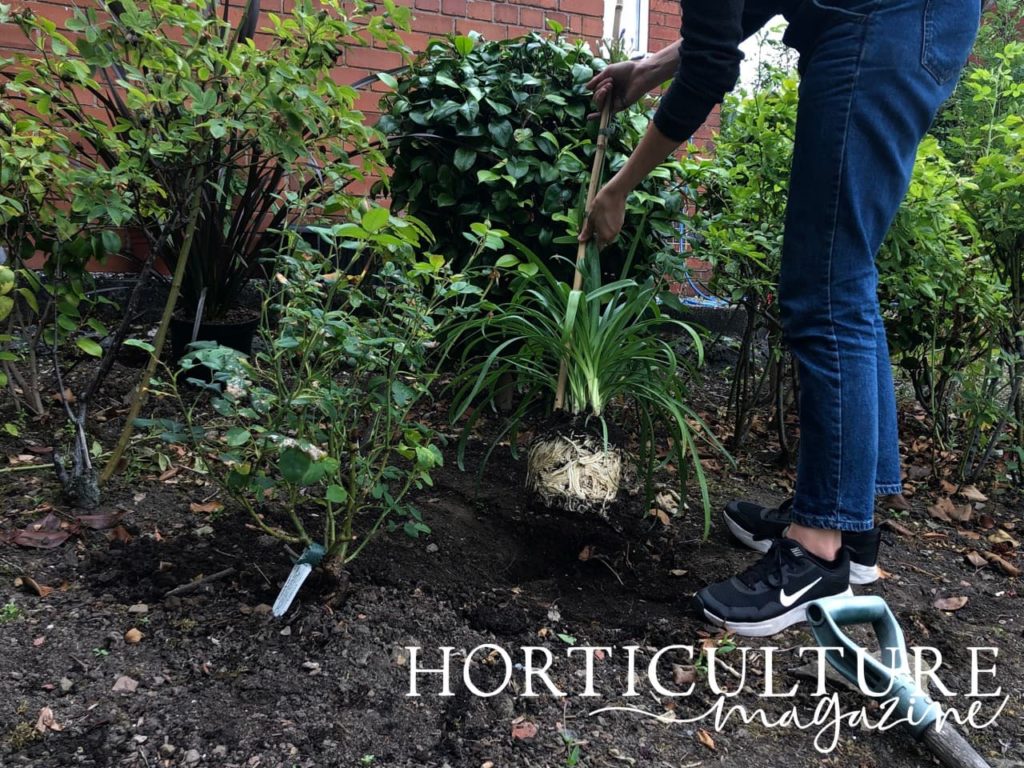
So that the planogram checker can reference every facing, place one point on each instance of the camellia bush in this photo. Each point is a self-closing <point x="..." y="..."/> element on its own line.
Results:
<point x="499" y="130"/>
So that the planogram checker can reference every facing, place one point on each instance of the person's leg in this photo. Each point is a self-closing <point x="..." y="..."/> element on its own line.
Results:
<point x="888" y="478"/>
<point x="828" y="289"/>
<point x="867" y="97"/>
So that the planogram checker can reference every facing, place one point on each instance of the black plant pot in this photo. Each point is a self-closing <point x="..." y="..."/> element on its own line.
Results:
<point x="236" y="332"/>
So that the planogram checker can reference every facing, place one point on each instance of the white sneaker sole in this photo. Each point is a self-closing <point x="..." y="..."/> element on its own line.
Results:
<point x="768" y="627"/>
<point x="859" y="574"/>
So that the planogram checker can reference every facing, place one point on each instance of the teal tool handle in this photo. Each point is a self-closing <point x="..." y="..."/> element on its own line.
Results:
<point x="886" y="678"/>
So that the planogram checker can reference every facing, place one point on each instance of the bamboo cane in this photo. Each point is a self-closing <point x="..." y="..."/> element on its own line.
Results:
<point x="581" y="250"/>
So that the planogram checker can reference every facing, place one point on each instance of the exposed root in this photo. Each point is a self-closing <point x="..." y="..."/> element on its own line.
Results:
<point x="575" y="472"/>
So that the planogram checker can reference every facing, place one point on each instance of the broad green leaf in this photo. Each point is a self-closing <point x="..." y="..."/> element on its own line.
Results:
<point x="90" y="347"/>
<point x="337" y="494"/>
<point x="375" y="219"/>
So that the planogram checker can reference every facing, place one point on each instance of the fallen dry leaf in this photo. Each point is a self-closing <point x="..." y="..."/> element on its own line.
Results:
<point x="895" y="527"/>
<point x="895" y="501"/>
<point x="1004" y="565"/>
<point x="683" y="675"/>
<point x="167" y="474"/>
<point x="120" y="533"/>
<point x="586" y="553"/>
<point x="971" y="493"/>
<point x="207" y="508"/>
<point x="975" y="559"/>
<point x="41" y="590"/>
<point x="918" y="471"/>
<point x="944" y="509"/>
<point x="661" y="515"/>
<point x="39" y="641"/>
<point x="705" y="738"/>
<point x="523" y="729"/>
<point x="21" y="458"/>
<point x="101" y="520"/>
<point x="125" y="684"/>
<point x="1002" y="537"/>
<point x="133" y="636"/>
<point x="947" y="487"/>
<point x="951" y="603"/>
<point x="44" y="534"/>
<point x="47" y="722"/>
<point x="69" y="396"/>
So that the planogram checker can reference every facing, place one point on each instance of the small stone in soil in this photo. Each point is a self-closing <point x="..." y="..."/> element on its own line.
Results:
<point x="167" y="750"/>
<point x="432" y="548"/>
<point x="125" y="684"/>
<point x="286" y="632"/>
<point x="192" y="757"/>
<point x="66" y="685"/>
<point x="220" y="751"/>
<point x="139" y="608"/>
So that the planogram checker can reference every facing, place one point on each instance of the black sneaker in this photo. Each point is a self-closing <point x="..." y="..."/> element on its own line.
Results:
<point x="757" y="526"/>
<point x="774" y="592"/>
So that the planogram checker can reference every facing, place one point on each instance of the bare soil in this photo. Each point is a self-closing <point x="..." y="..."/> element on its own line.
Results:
<point x="222" y="683"/>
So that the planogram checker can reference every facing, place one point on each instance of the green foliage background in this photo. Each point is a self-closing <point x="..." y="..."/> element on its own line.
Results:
<point x="499" y="130"/>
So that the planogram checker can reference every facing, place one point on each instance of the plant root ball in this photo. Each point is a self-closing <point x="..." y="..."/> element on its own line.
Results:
<point x="575" y="472"/>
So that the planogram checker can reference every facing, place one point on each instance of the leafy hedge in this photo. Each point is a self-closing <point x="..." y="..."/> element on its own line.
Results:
<point x="500" y="131"/>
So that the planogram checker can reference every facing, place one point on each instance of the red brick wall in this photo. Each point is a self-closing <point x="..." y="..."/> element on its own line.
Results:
<point x="434" y="18"/>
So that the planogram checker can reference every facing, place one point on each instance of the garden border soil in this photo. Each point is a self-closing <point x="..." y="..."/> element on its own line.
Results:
<point x="218" y="682"/>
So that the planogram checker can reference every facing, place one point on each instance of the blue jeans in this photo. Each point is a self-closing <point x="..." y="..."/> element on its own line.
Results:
<point x="874" y="73"/>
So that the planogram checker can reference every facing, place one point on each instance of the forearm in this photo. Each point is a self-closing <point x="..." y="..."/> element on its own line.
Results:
<point x="659" y="67"/>
<point x="651" y="152"/>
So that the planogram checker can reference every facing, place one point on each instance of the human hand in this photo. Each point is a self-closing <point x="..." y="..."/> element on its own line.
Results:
<point x="607" y="214"/>
<point x="623" y="82"/>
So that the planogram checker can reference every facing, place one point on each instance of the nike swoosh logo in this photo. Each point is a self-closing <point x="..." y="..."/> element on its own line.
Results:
<point x="788" y="600"/>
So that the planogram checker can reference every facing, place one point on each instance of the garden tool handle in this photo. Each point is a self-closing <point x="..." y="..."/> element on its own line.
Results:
<point x="952" y="749"/>
<point x="826" y="616"/>
<point x="581" y="249"/>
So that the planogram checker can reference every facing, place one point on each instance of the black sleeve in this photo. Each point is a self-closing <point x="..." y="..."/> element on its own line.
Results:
<point x="709" y="65"/>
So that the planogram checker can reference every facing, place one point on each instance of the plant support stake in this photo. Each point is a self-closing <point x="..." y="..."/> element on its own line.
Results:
<point x="309" y="559"/>
<point x="158" y="342"/>
<point x="581" y="250"/>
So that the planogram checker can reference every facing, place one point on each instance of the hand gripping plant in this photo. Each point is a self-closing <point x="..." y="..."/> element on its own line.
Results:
<point x="587" y="349"/>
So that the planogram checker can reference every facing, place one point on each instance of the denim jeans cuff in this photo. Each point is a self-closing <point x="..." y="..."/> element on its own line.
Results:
<point x="838" y="520"/>
<point x="889" y="489"/>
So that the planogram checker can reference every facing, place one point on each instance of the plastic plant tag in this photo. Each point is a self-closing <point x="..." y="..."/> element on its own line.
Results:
<point x="312" y="555"/>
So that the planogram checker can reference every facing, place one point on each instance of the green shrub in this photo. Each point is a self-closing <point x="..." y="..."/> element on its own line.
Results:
<point x="320" y="426"/>
<point x="941" y="299"/>
<point x="191" y="101"/>
<point x="739" y="211"/>
<point x="499" y="131"/>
